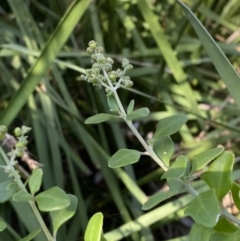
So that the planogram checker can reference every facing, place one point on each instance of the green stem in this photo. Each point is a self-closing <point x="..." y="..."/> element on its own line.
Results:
<point x="22" y="186"/>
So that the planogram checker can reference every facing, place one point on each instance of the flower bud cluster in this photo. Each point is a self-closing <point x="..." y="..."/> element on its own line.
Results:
<point x="101" y="72"/>
<point x="3" y="131"/>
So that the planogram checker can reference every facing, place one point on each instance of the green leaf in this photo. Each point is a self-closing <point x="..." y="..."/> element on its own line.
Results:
<point x="177" y="169"/>
<point x="200" y="233"/>
<point x="164" y="148"/>
<point x="224" y="226"/>
<point x="35" y="180"/>
<point x="176" y="187"/>
<point x="139" y="113"/>
<point x="7" y="189"/>
<point x="22" y="196"/>
<point x="170" y="125"/>
<point x="236" y="194"/>
<point x="218" y="176"/>
<point x="112" y="103"/>
<point x="202" y="159"/>
<point x="43" y="62"/>
<point x="2" y="226"/>
<point x="59" y="217"/>
<point x="52" y="199"/>
<point x="94" y="228"/>
<point x="225" y="237"/>
<point x="99" y="118"/>
<point x="130" y="107"/>
<point x="124" y="157"/>
<point x="220" y="61"/>
<point x="31" y="235"/>
<point x="204" y="209"/>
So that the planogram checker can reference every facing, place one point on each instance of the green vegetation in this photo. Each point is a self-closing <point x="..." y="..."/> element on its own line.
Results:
<point x="182" y="85"/>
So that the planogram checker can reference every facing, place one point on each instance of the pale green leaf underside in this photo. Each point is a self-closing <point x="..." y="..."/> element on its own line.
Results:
<point x="124" y="157"/>
<point x="139" y="113"/>
<point x="22" y="196"/>
<point x="95" y="119"/>
<point x="35" y="180"/>
<point x="2" y="226"/>
<point x="130" y="107"/>
<point x="31" y="235"/>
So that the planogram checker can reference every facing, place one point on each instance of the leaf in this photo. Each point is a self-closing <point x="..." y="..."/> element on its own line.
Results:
<point x="99" y="118"/>
<point x="177" y="169"/>
<point x="52" y="199"/>
<point x="139" y="113"/>
<point x="224" y="226"/>
<point x="22" y="196"/>
<point x="35" y="180"/>
<point x="170" y="125"/>
<point x="130" y="107"/>
<point x="112" y="103"/>
<point x="43" y="62"/>
<point x="218" y="176"/>
<point x="6" y="191"/>
<point x="175" y="188"/>
<point x="220" y="61"/>
<point x="59" y="217"/>
<point x="2" y="226"/>
<point x="204" y="209"/>
<point x="124" y="157"/>
<point x="202" y="159"/>
<point x="31" y="235"/>
<point x="200" y="233"/>
<point x="94" y="228"/>
<point x="164" y="148"/>
<point x="236" y="194"/>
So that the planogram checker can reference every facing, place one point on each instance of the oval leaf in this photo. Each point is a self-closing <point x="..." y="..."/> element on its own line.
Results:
<point x="200" y="233"/>
<point x="59" y="217"/>
<point x="6" y="191"/>
<point x="177" y="169"/>
<point x="99" y="118"/>
<point x="164" y="148"/>
<point x="124" y="157"/>
<point x="202" y="159"/>
<point x="22" y="196"/>
<point x="94" y="228"/>
<point x="31" y="235"/>
<point x="204" y="209"/>
<point x="139" y="113"/>
<point x="130" y="107"/>
<point x="2" y="226"/>
<point x="52" y="199"/>
<point x="112" y="103"/>
<point x="218" y="176"/>
<point x="35" y="180"/>
<point x="170" y="125"/>
<point x="235" y="194"/>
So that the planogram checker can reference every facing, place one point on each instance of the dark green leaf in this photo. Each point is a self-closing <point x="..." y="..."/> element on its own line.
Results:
<point x="124" y="157"/>
<point x="22" y="196"/>
<point x="130" y="107"/>
<point x="52" y="199"/>
<point x="59" y="217"/>
<point x="35" y="180"/>
<point x="94" y="228"/>
<point x="139" y="113"/>
<point x="99" y="118"/>
<point x="200" y="233"/>
<point x="177" y="169"/>
<point x="224" y="226"/>
<point x="204" y="209"/>
<point x="218" y="176"/>
<point x="164" y="148"/>
<point x="170" y="125"/>
<point x="202" y="159"/>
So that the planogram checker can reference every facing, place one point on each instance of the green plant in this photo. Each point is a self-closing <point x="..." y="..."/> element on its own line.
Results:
<point x="55" y="201"/>
<point x="214" y="167"/>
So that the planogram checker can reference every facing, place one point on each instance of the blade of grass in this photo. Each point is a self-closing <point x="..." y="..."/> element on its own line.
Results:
<point x="54" y="44"/>
<point x="220" y="61"/>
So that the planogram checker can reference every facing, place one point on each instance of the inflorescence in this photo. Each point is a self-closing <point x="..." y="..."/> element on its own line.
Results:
<point x="101" y="73"/>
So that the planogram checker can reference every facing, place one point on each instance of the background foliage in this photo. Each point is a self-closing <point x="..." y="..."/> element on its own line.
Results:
<point x="172" y="74"/>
